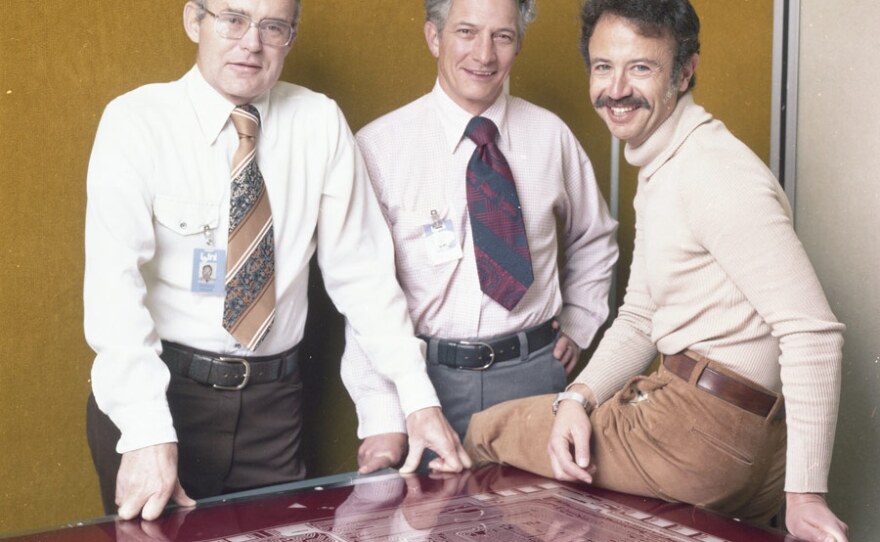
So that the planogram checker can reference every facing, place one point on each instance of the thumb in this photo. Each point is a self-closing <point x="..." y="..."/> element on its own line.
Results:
<point x="582" y="451"/>
<point x="375" y="462"/>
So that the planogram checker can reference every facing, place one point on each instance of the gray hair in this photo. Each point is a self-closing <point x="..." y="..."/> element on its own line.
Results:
<point x="297" y="8"/>
<point x="437" y="11"/>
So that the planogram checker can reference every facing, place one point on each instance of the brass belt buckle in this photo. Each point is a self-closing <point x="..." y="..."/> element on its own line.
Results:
<point x="480" y="344"/>
<point x="244" y="380"/>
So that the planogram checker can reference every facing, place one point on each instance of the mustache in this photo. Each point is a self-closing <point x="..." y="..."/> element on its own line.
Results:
<point x="629" y="101"/>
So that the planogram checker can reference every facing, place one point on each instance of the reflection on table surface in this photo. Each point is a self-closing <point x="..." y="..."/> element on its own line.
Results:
<point x="490" y="504"/>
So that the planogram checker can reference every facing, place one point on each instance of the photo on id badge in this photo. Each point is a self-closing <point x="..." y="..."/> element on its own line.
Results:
<point x="441" y="241"/>
<point x="209" y="271"/>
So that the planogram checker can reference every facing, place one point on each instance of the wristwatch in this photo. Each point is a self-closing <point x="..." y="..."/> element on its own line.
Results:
<point x="572" y="396"/>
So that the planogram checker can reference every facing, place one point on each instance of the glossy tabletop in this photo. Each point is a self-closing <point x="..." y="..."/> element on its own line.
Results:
<point x="487" y="505"/>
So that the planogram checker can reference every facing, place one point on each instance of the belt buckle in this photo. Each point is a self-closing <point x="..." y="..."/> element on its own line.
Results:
<point x="480" y="344"/>
<point x="247" y="373"/>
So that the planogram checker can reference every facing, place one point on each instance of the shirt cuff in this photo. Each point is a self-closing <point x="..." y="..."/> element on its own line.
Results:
<point x="416" y="392"/>
<point x="143" y="426"/>
<point x="378" y="414"/>
<point x="580" y="325"/>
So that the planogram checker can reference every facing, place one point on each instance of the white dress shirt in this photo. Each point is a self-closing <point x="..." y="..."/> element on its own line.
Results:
<point x="158" y="190"/>
<point x="417" y="157"/>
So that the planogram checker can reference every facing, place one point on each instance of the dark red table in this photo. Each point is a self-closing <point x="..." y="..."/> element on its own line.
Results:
<point x="491" y="504"/>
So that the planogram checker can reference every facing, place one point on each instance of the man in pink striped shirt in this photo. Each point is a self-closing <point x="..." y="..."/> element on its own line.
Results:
<point x="479" y="352"/>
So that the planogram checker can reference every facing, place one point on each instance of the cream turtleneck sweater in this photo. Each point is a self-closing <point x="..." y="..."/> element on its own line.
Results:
<point x="717" y="268"/>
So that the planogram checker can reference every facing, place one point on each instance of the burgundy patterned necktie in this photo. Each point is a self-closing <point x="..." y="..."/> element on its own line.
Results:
<point x="249" y="309"/>
<point x="500" y="243"/>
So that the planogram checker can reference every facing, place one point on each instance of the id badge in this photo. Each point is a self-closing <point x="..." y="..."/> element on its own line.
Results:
<point x="441" y="241"/>
<point x="209" y="268"/>
<point x="209" y="272"/>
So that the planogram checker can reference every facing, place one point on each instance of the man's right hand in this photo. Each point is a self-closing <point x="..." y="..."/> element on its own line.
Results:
<point x="571" y="431"/>
<point x="380" y="451"/>
<point x="147" y="479"/>
<point x="428" y="428"/>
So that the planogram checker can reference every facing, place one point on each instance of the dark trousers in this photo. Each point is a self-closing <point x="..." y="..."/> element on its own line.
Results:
<point x="227" y="440"/>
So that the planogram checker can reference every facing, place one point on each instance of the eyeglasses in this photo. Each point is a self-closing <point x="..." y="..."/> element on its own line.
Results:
<point x="234" y="26"/>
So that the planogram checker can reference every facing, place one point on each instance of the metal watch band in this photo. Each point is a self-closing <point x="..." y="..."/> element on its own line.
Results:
<point x="571" y="396"/>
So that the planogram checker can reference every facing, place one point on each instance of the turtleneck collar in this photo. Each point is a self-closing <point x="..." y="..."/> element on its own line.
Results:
<point x="669" y="136"/>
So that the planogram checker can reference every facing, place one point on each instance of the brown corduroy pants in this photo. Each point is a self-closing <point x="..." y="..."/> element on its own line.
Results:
<point x="660" y="437"/>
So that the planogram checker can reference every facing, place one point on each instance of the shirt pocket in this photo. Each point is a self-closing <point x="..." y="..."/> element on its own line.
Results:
<point x="186" y="217"/>
<point x="181" y="231"/>
<point x="411" y="230"/>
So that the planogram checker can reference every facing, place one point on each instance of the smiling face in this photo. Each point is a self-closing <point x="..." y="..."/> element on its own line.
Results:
<point x="631" y="80"/>
<point x="242" y="69"/>
<point x="475" y="50"/>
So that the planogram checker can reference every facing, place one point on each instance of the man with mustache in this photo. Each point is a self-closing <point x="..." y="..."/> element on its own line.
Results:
<point x="720" y="287"/>
<point x="502" y="318"/>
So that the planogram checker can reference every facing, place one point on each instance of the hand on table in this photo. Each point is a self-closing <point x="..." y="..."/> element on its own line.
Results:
<point x="807" y="516"/>
<point x="428" y="429"/>
<point x="380" y="451"/>
<point x="147" y="479"/>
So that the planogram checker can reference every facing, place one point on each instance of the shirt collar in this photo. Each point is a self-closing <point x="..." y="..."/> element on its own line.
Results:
<point x="454" y="119"/>
<point x="213" y="110"/>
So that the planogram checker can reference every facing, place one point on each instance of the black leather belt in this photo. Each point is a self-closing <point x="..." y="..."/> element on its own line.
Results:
<point x="228" y="372"/>
<point x="480" y="355"/>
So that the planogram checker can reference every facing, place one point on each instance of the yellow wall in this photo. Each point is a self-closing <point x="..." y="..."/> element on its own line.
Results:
<point x="61" y="62"/>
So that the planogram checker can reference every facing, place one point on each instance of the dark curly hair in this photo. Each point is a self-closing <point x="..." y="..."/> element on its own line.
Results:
<point x="653" y="18"/>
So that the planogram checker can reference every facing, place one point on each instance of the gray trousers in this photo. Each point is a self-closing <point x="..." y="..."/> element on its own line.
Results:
<point x="464" y="392"/>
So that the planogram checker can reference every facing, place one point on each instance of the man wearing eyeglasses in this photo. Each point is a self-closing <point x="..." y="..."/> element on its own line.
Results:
<point x="196" y="384"/>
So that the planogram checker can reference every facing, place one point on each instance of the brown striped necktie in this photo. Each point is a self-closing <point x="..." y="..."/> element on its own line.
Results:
<point x="249" y="309"/>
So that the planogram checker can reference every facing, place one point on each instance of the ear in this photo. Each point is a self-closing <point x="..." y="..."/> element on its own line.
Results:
<point x="191" y="21"/>
<point x="432" y="36"/>
<point x="687" y="72"/>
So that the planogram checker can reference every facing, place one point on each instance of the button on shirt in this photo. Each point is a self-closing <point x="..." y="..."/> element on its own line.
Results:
<point x="417" y="157"/>
<point x="158" y="189"/>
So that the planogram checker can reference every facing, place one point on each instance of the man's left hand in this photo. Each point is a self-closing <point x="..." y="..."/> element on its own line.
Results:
<point x="381" y="451"/>
<point x="807" y="516"/>
<point x="428" y="429"/>
<point x="566" y="351"/>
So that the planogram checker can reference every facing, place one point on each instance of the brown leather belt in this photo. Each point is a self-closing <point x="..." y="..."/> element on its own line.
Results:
<point x="721" y="385"/>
